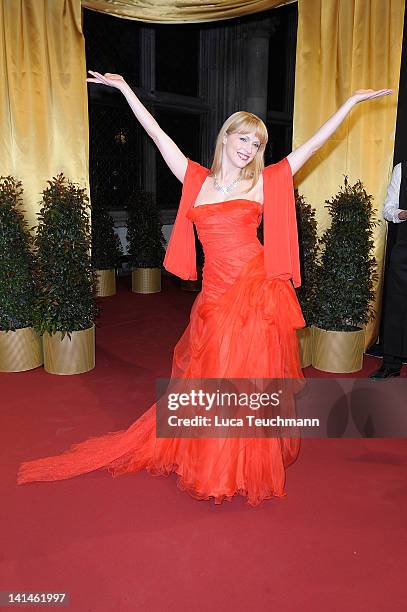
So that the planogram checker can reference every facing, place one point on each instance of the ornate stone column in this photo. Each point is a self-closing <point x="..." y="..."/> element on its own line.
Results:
<point x="147" y="78"/>
<point x="257" y="66"/>
<point x="222" y="78"/>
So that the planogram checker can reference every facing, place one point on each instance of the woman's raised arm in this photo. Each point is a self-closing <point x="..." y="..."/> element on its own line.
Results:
<point x="297" y="158"/>
<point x="173" y="157"/>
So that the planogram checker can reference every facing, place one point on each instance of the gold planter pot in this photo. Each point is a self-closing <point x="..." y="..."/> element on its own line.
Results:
<point x="20" y="350"/>
<point x="337" y="351"/>
<point x="69" y="356"/>
<point x="304" y="337"/>
<point x="146" y="280"/>
<point x="105" y="282"/>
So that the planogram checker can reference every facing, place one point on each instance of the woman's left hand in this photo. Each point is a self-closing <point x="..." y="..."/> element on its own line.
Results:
<point x="369" y="94"/>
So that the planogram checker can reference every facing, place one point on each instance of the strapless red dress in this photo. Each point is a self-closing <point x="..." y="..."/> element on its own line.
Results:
<point x="242" y="325"/>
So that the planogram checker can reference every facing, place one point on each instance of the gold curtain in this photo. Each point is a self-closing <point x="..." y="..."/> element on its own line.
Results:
<point x="341" y="47"/>
<point x="43" y="96"/>
<point x="181" y="11"/>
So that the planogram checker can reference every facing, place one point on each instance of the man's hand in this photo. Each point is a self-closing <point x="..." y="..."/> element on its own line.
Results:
<point x="403" y="215"/>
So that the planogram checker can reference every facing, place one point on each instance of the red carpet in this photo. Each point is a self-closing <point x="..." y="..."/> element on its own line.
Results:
<point x="336" y="542"/>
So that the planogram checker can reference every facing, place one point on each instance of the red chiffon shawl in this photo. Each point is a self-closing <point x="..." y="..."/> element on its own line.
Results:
<point x="281" y="256"/>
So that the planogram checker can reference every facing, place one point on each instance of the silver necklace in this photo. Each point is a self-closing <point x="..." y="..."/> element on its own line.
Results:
<point x="225" y="188"/>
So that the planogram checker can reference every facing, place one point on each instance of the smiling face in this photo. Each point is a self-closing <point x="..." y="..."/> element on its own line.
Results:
<point x="240" y="148"/>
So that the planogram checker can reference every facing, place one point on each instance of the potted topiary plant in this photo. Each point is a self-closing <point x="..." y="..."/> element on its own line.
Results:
<point x="308" y="245"/>
<point x="66" y="308"/>
<point x="106" y="251"/>
<point x="20" y="345"/>
<point x="146" y="243"/>
<point x="345" y="283"/>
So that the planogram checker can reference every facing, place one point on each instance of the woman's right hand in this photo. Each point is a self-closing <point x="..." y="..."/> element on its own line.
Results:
<point x="109" y="79"/>
<point x="173" y="157"/>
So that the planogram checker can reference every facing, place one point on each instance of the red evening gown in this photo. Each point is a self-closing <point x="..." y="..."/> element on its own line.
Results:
<point x="242" y="325"/>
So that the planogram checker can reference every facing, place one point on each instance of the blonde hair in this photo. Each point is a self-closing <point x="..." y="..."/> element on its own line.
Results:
<point x="242" y="122"/>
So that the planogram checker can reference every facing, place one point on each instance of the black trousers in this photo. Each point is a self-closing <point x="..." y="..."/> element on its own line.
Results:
<point x="395" y="323"/>
<point x="392" y="361"/>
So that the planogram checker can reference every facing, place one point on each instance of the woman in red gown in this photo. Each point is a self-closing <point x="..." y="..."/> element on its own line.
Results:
<point x="242" y="324"/>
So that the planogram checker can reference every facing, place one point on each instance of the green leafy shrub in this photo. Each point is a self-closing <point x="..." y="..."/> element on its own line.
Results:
<point x="17" y="280"/>
<point x="144" y="232"/>
<point x="106" y="247"/>
<point x="348" y="269"/>
<point x="66" y="279"/>
<point x="309" y="251"/>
